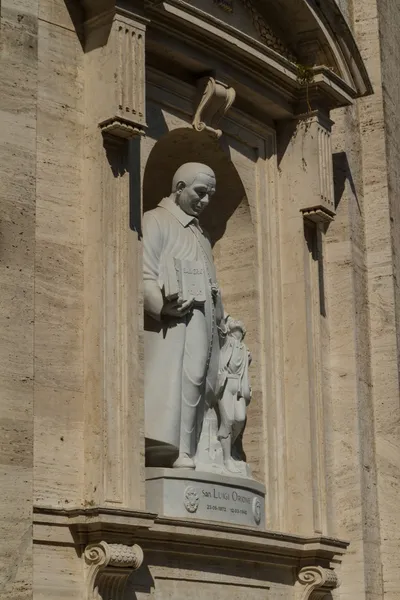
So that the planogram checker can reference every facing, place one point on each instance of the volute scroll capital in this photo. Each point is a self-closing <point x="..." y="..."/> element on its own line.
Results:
<point x="314" y="583"/>
<point x="109" y="565"/>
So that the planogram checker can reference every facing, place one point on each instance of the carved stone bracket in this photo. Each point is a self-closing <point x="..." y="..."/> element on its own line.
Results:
<point x="214" y="100"/>
<point x="120" y="128"/>
<point x="318" y="214"/>
<point x="314" y="583"/>
<point x="109" y="566"/>
<point x="122" y="110"/>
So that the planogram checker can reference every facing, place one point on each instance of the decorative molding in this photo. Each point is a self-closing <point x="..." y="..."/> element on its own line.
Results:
<point x="316" y="128"/>
<point x="120" y="128"/>
<point x="226" y="5"/>
<point x="318" y="214"/>
<point x="313" y="583"/>
<point x="130" y="69"/>
<point x="216" y="98"/>
<point x="267" y="35"/>
<point x="124" y="65"/>
<point x="109" y="566"/>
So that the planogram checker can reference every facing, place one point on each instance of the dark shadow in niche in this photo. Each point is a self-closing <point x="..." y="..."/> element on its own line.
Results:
<point x="117" y="154"/>
<point x="341" y="174"/>
<point x="123" y="156"/>
<point x="313" y="239"/>
<point x="77" y="15"/>
<point x="139" y="582"/>
<point x="186" y="145"/>
<point x="98" y="37"/>
<point x="157" y="126"/>
<point x="135" y="195"/>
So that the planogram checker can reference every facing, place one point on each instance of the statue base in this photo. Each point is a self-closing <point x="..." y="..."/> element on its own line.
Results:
<point x="205" y="496"/>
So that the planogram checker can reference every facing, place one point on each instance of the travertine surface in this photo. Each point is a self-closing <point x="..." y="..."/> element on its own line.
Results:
<point x="362" y="274"/>
<point x="18" y="104"/>
<point x="59" y="263"/>
<point x="321" y="304"/>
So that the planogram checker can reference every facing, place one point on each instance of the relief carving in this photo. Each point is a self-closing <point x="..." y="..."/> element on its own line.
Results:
<point x="267" y="35"/>
<point x="314" y="583"/>
<point x="127" y="112"/>
<point x="216" y="98"/>
<point x="109" y="566"/>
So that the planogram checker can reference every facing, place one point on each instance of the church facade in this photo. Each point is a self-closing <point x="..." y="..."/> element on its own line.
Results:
<point x="294" y="105"/>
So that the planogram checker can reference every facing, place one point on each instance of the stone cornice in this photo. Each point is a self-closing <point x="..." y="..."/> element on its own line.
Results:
<point x="333" y="85"/>
<point x="95" y="524"/>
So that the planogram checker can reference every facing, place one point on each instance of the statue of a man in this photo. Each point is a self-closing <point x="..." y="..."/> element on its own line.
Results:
<point x="182" y="310"/>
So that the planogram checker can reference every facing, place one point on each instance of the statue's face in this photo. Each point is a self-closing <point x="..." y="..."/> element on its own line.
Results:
<point x="237" y="333"/>
<point x="194" y="198"/>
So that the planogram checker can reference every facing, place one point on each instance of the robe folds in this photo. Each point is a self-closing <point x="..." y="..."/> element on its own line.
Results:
<point x="234" y="363"/>
<point x="181" y="354"/>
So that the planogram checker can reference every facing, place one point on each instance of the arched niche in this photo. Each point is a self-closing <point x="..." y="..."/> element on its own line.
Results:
<point x="230" y="224"/>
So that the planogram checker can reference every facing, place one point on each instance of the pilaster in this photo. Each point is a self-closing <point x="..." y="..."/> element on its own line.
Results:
<point x="307" y="207"/>
<point x="115" y="118"/>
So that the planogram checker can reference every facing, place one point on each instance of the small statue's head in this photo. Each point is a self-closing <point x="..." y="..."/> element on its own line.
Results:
<point x="235" y="328"/>
<point x="193" y="186"/>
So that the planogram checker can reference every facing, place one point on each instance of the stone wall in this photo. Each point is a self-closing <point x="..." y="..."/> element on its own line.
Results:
<point x="18" y="104"/>
<point x="59" y="262"/>
<point x="380" y="120"/>
<point x="64" y="224"/>
<point x="362" y="263"/>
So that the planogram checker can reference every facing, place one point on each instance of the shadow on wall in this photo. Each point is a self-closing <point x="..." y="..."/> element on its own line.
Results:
<point x="341" y="174"/>
<point x="186" y="145"/>
<point x="77" y="16"/>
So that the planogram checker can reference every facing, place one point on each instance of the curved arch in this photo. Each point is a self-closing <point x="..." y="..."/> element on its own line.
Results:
<point x="232" y="231"/>
<point x="186" y="145"/>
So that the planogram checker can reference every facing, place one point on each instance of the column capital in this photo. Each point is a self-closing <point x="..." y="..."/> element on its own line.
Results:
<point x="314" y="582"/>
<point x="306" y="138"/>
<point x="108" y="568"/>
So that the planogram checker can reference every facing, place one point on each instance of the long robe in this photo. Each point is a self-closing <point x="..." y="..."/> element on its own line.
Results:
<point x="181" y="355"/>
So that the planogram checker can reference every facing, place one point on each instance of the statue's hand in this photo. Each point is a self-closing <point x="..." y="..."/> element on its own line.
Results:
<point x="215" y="292"/>
<point x="177" y="308"/>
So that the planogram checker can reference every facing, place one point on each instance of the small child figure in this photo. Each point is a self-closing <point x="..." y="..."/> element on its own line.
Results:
<point x="233" y="389"/>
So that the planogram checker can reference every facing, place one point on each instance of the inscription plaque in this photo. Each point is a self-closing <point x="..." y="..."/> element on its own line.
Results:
<point x="205" y="496"/>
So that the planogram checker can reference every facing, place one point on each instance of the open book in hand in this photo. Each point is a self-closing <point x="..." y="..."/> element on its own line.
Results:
<point x="184" y="279"/>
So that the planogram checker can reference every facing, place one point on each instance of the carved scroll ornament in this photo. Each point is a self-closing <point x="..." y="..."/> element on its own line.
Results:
<point x="314" y="583"/>
<point x="216" y="98"/>
<point x="109" y="566"/>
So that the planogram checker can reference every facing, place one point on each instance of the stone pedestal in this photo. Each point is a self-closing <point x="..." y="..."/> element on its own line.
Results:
<point x="209" y="497"/>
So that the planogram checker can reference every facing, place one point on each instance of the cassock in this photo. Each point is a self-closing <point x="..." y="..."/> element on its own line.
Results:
<point x="181" y="354"/>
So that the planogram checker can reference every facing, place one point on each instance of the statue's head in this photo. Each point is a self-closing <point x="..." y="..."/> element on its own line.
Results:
<point x="235" y="328"/>
<point x="193" y="186"/>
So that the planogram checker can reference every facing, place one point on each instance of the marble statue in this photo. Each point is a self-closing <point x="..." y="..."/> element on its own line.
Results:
<point x="183" y="308"/>
<point x="233" y="390"/>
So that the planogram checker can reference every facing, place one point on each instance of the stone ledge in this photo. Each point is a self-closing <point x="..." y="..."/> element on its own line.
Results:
<point x="83" y="526"/>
